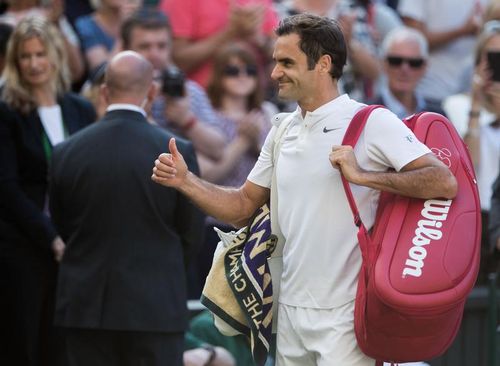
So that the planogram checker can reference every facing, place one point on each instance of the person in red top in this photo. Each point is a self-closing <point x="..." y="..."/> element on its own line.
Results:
<point x="201" y="27"/>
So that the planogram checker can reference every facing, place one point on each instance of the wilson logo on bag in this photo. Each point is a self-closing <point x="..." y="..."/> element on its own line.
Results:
<point x="433" y="213"/>
<point x="421" y="258"/>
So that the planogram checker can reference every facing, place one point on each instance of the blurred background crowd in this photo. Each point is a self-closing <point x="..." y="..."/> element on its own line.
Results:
<point x="212" y="60"/>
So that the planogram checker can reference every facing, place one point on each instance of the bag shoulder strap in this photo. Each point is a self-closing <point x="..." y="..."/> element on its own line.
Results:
<point x="351" y="137"/>
<point x="281" y="121"/>
<point x="284" y="121"/>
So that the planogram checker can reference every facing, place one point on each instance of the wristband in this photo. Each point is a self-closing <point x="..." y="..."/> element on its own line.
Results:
<point x="474" y="114"/>
<point x="473" y="132"/>
<point x="189" y="124"/>
<point x="212" y="352"/>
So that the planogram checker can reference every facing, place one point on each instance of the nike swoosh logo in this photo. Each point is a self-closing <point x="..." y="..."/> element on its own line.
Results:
<point x="326" y="130"/>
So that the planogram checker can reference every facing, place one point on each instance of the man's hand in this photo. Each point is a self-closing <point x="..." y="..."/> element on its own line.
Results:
<point x="347" y="21"/>
<point x="177" y="110"/>
<point x="53" y="10"/>
<point x="201" y="356"/>
<point x="58" y="248"/>
<point x="127" y="8"/>
<point x="493" y="92"/>
<point x="472" y="24"/>
<point x="250" y="127"/>
<point x="170" y="169"/>
<point x="343" y="159"/>
<point x="245" y="21"/>
<point x="196" y="357"/>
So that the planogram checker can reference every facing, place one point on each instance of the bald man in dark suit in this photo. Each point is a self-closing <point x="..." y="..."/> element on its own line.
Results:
<point x="121" y="292"/>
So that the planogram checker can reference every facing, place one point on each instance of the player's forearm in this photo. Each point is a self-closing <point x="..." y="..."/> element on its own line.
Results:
<point x="426" y="183"/>
<point x="226" y="204"/>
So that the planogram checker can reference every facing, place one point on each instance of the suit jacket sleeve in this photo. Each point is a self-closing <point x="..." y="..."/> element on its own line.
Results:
<point x="15" y="204"/>
<point x="189" y="219"/>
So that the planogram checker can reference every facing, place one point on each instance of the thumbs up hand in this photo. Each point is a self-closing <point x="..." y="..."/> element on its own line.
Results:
<point x="170" y="169"/>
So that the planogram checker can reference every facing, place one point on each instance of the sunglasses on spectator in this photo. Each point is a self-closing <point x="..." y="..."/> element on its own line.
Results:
<point x="234" y="71"/>
<point x="414" y="63"/>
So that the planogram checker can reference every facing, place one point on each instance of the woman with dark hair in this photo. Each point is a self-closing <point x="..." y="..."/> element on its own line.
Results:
<point x="235" y="91"/>
<point x="37" y="113"/>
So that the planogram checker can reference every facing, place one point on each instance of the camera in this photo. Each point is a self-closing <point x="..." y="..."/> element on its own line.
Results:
<point x="494" y="64"/>
<point x="173" y="82"/>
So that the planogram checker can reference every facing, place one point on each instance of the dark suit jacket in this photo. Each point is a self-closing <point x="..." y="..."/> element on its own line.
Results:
<point x="126" y="236"/>
<point x="23" y="175"/>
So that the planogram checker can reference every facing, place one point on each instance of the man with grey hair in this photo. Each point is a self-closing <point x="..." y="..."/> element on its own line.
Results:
<point x="404" y="54"/>
<point x="121" y="292"/>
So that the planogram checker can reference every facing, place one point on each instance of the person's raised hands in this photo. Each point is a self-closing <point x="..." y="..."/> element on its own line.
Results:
<point x="54" y="10"/>
<point x="245" y="21"/>
<point x="347" y="21"/>
<point x="250" y="127"/>
<point x="177" y="110"/>
<point x="480" y="80"/>
<point x="472" y="25"/>
<point x="127" y="8"/>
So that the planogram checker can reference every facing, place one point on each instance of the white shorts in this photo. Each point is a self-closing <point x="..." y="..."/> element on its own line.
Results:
<point x="318" y="337"/>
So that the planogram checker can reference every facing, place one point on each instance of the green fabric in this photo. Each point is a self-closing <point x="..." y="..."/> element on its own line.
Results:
<point x="190" y="341"/>
<point x="202" y="328"/>
<point x="47" y="146"/>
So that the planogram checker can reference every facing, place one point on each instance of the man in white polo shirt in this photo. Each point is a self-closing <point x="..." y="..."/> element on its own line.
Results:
<point x="321" y="259"/>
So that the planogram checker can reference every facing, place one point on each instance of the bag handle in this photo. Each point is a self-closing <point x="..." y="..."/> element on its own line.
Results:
<point x="351" y="137"/>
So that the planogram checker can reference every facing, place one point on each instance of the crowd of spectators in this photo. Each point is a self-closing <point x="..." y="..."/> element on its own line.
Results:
<point x="212" y="60"/>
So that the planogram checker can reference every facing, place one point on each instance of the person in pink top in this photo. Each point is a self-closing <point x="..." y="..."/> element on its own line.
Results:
<point x="201" y="27"/>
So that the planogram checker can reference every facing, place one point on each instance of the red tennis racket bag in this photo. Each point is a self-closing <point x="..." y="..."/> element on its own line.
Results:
<point x="421" y="258"/>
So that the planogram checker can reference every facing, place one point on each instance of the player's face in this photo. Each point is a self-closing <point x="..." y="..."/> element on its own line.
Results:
<point x="295" y="80"/>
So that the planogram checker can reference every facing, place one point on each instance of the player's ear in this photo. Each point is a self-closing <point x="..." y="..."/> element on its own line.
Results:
<point x="325" y="64"/>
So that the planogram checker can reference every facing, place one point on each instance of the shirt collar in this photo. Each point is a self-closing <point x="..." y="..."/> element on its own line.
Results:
<point x="395" y="105"/>
<point x="326" y="109"/>
<point x="126" y="106"/>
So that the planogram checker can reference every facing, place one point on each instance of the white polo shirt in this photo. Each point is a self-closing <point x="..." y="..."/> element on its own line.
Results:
<point x="321" y="255"/>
